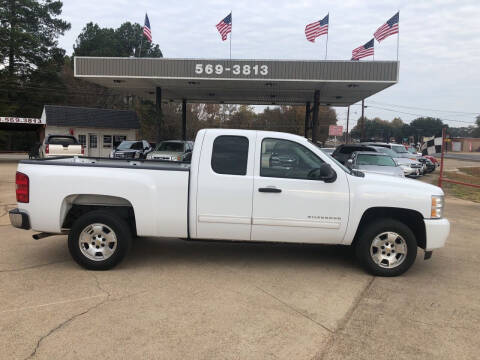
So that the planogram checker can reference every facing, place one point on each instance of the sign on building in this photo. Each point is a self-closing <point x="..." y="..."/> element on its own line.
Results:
<point x="17" y="120"/>
<point x="335" y="130"/>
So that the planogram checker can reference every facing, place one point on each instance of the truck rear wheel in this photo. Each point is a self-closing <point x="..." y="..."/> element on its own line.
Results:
<point x="99" y="240"/>
<point x="386" y="247"/>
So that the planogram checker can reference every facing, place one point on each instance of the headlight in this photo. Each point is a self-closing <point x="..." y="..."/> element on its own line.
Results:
<point x="437" y="206"/>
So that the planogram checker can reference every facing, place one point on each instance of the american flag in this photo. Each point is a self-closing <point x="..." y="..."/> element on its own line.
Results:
<point x="389" y="28"/>
<point x="363" y="51"/>
<point x="316" y="29"/>
<point x="224" y="27"/>
<point x="146" y="29"/>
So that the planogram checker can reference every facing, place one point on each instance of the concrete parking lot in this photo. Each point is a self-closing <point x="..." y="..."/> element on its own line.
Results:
<point x="172" y="299"/>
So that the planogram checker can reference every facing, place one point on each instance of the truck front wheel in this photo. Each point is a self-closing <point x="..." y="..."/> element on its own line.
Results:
<point x="99" y="240"/>
<point x="386" y="247"/>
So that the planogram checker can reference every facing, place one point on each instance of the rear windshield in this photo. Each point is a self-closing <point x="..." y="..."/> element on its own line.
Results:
<point x="170" y="146"/>
<point x="380" y="160"/>
<point x="62" y="140"/>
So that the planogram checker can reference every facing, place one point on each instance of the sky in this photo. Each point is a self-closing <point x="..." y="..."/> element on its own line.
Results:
<point x="439" y="43"/>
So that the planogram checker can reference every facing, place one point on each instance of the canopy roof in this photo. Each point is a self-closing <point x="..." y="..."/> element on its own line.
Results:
<point x="256" y="82"/>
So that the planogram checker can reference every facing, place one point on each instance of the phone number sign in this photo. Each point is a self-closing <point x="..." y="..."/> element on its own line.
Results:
<point x="213" y="69"/>
<point x="17" y="120"/>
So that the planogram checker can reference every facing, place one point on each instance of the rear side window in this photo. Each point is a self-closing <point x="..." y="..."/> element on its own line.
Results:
<point x="230" y="155"/>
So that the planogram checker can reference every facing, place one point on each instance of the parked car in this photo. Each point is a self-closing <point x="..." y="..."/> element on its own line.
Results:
<point x="131" y="149"/>
<point x="60" y="145"/>
<point x="411" y="168"/>
<point x="433" y="159"/>
<point x="429" y="166"/>
<point x="373" y="162"/>
<point x="172" y="150"/>
<point x="229" y="193"/>
<point x="343" y="152"/>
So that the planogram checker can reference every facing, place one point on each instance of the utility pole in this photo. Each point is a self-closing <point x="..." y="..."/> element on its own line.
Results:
<point x="363" y="121"/>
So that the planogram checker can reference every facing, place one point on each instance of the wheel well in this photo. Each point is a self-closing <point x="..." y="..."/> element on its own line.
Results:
<point x="75" y="206"/>
<point x="413" y="219"/>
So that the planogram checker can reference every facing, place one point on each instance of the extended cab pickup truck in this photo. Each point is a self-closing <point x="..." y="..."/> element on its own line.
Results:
<point x="241" y="185"/>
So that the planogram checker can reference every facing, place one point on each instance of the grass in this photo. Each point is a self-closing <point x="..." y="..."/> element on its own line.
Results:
<point x="470" y="175"/>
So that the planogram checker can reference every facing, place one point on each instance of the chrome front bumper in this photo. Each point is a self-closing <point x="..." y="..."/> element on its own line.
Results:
<point x="19" y="219"/>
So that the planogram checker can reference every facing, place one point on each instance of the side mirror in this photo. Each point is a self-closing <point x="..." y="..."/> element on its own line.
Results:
<point x="324" y="173"/>
<point x="350" y="162"/>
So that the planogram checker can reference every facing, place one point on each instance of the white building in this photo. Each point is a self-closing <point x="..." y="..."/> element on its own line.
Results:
<point x="98" y="130"/>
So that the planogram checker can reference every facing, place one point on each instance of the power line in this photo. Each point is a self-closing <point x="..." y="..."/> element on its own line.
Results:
<point x="420" y="108"/>
<point x="419" y="115"/>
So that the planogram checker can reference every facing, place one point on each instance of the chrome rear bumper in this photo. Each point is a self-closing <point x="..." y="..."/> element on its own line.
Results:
<point x="19" y="219"/>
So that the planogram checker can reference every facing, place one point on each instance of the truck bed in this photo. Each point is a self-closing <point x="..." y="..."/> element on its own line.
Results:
<point x="110" y="163"/>
<point x="156" y="190"/>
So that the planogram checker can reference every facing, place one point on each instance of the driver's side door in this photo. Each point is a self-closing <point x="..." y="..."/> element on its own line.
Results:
<point x="290" y="206"/>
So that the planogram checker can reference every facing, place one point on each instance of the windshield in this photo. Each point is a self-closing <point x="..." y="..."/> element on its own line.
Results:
<point x="387" y="151"/>
<point x="379" y="160"/>
<point x="411" y="150"/>
<point x="344" y="168"/>
<point x="399" y="149"/>
<point x="170" y="146"/>
<point x="127" y="145"/>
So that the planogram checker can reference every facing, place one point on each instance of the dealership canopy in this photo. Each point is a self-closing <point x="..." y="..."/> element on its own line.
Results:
<point x="256" y="82"/>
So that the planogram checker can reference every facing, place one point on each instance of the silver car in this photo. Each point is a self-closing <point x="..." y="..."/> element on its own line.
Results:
<point x="374" y="162"/>
<point x="172" y="150"/>
<point x="411" y="168"/>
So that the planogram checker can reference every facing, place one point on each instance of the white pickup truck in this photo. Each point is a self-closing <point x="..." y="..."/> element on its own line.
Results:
<point x="241" y="185"/>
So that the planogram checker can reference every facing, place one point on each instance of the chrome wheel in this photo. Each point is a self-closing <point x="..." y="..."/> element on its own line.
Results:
<point x="388" y="250"/>
<point x="97" y="242"/>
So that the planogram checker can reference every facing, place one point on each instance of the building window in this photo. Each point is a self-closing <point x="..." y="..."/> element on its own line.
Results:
<point x="117" y="139"/>
<point x="230" y="155"/>
<point x="82" y="139"/>
<point x="92" y="141"/>
<point x="107" y="141"/>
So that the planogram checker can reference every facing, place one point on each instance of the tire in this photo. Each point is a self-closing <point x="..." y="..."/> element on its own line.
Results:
<point x="99" y="240"/>
<point x="386" y="247"/>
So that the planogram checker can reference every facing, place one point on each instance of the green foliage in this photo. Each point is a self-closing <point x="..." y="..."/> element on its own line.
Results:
<point x="29" y="56"/>
<point x="124" y="41"/>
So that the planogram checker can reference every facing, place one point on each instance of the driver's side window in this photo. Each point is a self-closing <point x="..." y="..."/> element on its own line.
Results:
<point x="287" y="159"/>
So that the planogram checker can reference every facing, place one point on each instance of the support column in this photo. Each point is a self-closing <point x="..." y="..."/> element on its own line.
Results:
<point x="158" y="107"/>
<point x="348" y="119"/>
<point x="307" y="118"/>
<point x="184" y="119"/>
<point x="363" y="122"/>
<point x="316" y="100"/>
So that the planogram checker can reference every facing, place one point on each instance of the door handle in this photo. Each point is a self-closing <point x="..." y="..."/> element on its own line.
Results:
<point x="269" y="190"/>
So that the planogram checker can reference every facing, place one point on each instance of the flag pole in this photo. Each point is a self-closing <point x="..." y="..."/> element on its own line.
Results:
<point x="231" y="20"/>
<point x="326" y="45"/>
<point x="141" y="40"/>
<point x="398" y="33"/>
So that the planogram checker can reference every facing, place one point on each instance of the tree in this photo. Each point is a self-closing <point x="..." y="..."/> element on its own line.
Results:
<point x="476" y="131"/>
<point x="28" y="34"/>
<point x="29" y="57"/>
<point x="127" y="40"/>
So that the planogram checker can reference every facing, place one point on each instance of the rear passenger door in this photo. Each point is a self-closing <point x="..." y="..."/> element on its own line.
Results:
<point x="225" y="185"/>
